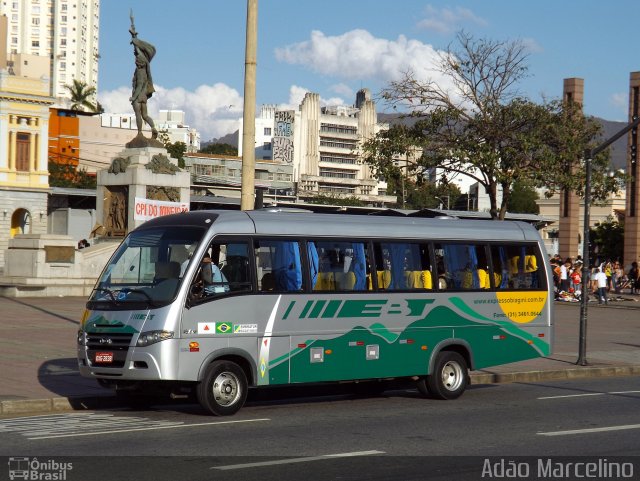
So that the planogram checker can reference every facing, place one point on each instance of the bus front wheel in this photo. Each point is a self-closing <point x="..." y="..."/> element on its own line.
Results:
<point x="223" y="390"/>
<point x="449" y="378"/>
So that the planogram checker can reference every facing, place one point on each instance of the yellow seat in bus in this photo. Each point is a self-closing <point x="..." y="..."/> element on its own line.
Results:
<point x="530" y="263"/>
<point x="325" y="282"/>
<point x="384" y="279"/>
<point x="483" y="279"/>
<point x="345" y="281"/>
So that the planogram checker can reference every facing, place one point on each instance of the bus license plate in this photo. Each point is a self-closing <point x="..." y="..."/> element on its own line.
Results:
<point x="104" y="357"/>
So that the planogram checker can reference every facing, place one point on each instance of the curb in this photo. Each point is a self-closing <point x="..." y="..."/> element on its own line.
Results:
<point x="62" y="404"/>
<point x="553" y="375"/>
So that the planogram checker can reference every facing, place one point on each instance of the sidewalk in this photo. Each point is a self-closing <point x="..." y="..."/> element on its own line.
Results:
<point x="39" y="369"/>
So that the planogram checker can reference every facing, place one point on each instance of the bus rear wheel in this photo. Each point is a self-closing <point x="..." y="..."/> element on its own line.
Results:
<point x="449" y="378"/>
<point x="224" y="388"/>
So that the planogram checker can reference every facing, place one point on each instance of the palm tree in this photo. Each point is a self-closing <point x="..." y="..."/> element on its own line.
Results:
<point x="81" y="94"/>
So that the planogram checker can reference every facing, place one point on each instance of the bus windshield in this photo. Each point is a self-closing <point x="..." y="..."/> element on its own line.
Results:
<point x="147" y="268"/>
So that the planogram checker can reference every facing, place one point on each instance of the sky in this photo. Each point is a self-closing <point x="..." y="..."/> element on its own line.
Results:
<point x="336" y="47"/>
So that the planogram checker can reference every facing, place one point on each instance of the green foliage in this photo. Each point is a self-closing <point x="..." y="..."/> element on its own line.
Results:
<point x="486" y="131"/>
<point x="66" y="175"/>
<point x="81" y="95"/>
<point x="175" y="149"/>
<point x="327" y="199"/>
<point x="220" y="149"/>
<point x="423" y="195"/>
<point x="523" y="199"/>
<point x="608" y="238"/>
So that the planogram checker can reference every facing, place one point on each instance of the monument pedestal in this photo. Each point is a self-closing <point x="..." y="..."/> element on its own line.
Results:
<point x="137" y="172"/>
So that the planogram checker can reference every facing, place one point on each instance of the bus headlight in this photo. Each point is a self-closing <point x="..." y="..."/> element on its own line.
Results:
<point x="151" y="337"/>
<point x="80" y="338"/>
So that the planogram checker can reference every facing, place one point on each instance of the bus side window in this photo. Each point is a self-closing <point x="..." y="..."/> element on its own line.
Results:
<point x="338" y="266"/>
<point x="279" y="265"/>
<point x="403" y="266"/>
<point x="235" y="266"/>
<point x="460" y="262"/>
<point x="501" y="272"/>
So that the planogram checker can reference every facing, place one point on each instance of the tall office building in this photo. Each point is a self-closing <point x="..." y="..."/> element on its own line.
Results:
<point x="65" y="32"/>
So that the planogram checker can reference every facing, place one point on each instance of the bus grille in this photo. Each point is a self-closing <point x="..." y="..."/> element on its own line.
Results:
<point x="117" y="344"/>
<point x="112" y="342"/>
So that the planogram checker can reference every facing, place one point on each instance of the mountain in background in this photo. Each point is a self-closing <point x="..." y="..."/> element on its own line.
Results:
<point x="609" y="128"/>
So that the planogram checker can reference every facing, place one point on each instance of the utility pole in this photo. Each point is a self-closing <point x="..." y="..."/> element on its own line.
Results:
<point x="249" y="114"/>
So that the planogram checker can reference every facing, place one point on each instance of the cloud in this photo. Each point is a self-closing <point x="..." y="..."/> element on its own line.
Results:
<point x="296" y="96"/>
<point x="531" y="45"/>
<point x="359" y="55"/>
<point x="620" y="101"/>
<point x="214" y="110"/>
<point x="344" y="90"/>
<point x="446" y="20"/>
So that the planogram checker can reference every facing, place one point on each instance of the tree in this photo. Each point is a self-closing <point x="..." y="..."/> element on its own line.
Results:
<point x="175" y="149"/>
<point x="327" y="199"/>
<point x="483" y="129"/>
<point x="67" y="175"/>
<point x="81" y="95"/>
<point x="608" y="238"/>
<point x="523" y="199"/>
<point x="220" y="149"/>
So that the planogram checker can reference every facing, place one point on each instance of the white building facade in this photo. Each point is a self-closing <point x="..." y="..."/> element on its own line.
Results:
<point x="66" y="32"/>
<point x="323" y="145"/>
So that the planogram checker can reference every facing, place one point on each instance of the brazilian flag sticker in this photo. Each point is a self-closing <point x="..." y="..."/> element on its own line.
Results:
<point x="224" y="328"/>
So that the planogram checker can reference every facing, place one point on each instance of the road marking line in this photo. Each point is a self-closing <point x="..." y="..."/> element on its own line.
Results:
<point x="589" y="394"/>
<point x="297" y="460"/>
<point x="591" y="430"/>
<point x="96" y="433"/>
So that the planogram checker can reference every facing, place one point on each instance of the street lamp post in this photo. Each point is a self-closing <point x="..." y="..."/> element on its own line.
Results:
<point x="589" y="154"/>
<point x="582" y="347"/>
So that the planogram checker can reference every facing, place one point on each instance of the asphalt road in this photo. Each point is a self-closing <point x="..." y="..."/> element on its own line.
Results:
<point x="398" y="435"/>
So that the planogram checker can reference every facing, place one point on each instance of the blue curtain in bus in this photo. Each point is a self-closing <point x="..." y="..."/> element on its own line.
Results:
<point x="473" y="258"/>
<point x="359" y="266"/>
<point x="397" y="266"/>
<point x="312" y="254"/>
<point x="286" y="265"/>
<point x="504" y="283"/>
<point x="461" y="263"/>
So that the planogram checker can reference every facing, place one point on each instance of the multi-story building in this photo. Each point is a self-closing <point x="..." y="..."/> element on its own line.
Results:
<point x="24" y="175"/>
<point x="64" y="32"/>
<point x="221" y="175"/>
<point x="322" y="144"/>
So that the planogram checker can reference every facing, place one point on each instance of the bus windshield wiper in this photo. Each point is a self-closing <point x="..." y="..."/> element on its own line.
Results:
<point x="108" y="291"/>
<point x="149" y="299"/>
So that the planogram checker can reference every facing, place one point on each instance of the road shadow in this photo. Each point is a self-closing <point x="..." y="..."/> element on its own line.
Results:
<point x="62" y="378"/>
<point x="41" y="309"/>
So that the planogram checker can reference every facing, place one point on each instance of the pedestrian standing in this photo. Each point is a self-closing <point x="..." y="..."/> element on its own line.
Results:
<point x="601" y="280"/>
<point x="634" y="278"/>
<point x="564" y="275"/>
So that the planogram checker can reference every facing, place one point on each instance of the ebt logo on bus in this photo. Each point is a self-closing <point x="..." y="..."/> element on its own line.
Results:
<point x="374" y="308"/>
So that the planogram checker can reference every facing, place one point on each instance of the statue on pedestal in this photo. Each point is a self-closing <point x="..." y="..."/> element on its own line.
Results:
<point x="142" y="89"/>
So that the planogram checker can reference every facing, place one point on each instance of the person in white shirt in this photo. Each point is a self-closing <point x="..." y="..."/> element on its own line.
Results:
<point x="601" y="280"/>
<point x="564" y="276"/>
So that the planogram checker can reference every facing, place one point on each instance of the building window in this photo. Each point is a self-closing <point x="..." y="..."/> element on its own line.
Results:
<point x="267" y="131"/>
<point x="35" y="21"/>
<point x="35" y="43"/>
<point x="267" y="146"/>
<point x="22" y="152"/>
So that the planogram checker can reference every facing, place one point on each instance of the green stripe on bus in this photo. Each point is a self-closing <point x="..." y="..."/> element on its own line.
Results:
<point x="317" y="309"/>
<point x="332" y="308"/>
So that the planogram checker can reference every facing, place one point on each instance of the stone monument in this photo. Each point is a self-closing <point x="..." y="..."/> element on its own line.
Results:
<point x="143" y="181"/>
